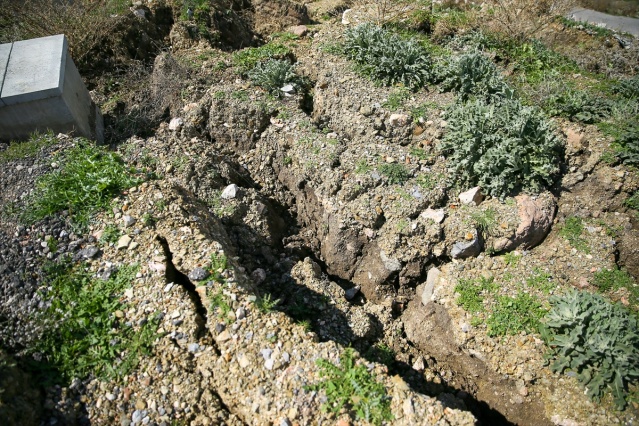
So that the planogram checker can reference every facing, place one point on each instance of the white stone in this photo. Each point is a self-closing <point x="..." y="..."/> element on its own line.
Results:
<point x="472" y="197"/>
<point x="176" y="124"/>
<point x="124" y="242"/>
<point x="436" y="216"/>
<point x="399" y="120"/>
<point x="345" y="20"/>
<point x="230" y="191"/>
<point x="431" y="279"/>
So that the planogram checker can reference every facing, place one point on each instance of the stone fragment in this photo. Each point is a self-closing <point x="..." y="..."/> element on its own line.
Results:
<point x="299" y="30"/>
<point x="399" y="120"/>
<point x="351" y="292"/>
<point x="223" y="336"/>
<point x="231" y="191"/>
<point x="431" y="279"/>
<point x="436" y="216"/>
<point x="88" y="252"/>
<point x="535" y="220"/>
<point x="198" y="274"/>
<point x="258" y="276"/>
<point x="124" y="242"/>
<point x="366" y="111"/>
<point x="128" y="220"/>
<point x="345" y="19"/>
<point x="472" y="197"/>
<point x="176" y="124"/>
<point x="464" y="249"/>
<point x="390" y="263"/>
<point x="288" y="88"/>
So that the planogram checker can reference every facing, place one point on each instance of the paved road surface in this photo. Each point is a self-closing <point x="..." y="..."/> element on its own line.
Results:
<point x="619" y="23"/>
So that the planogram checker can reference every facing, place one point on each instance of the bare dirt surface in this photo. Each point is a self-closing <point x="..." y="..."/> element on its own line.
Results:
<point x="313" y="223"/>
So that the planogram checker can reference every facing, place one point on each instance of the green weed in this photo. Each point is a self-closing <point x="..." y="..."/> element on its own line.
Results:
<point x="572" y="230"/>
<point x="29" y="148"/>
<point x="387" y="58"/>
<point x="362" y="167"/>
<point x="87" y="334"/>
<point x="513" y="315"/>
<point x="512" y="259"/>
<point x="471" y="293"/>
<point x="395" y="172"/>
<point x="352" y="387"/>
<point x="541" y="280"/>
<point x="397" y="98"/>
<point x="110" y="235"/>
<point x="220" y="307"/>
<point x="217" y="266"/>
<point x="595" y="339"/>
<point x="87" y="179"/>
<point x="273" y="74"/>
<point x="245" y="60"/>
<point x="266" y="304"/>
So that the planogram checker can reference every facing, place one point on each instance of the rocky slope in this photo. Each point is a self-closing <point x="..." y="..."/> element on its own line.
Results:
<point x="291" y="191"/>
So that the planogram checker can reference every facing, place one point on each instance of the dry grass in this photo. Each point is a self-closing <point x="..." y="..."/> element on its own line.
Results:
<point x="522" y="19"/>
<point x="85" y="22"/>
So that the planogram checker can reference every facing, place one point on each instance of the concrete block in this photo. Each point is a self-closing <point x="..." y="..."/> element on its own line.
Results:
<point x="42" y="90"/>
<point x="5" y="51"/>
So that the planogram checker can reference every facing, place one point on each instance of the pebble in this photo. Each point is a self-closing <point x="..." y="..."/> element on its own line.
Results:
<point x="128" y="220"/>
<point x="123" y="242"/>
<point x="230" y="192"/>
<point x="198" y="274"/>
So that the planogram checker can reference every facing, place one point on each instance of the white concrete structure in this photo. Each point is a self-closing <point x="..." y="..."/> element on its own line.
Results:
<point x="41" y="89"/>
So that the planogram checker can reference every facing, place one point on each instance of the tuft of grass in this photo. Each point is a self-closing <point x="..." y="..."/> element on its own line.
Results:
<point x="512" y="259"/>
<point x="350" y="386"/>
<point x="541" y="280"/>
<point x="485" y="220"/>
<point x="512" y="315"/>
<point x="397" y="98"/>
<point x="110" y="235"/>
<point x="220" y="306"/>
<point x="218" y="264"/>
<point x="87" y="179"/>
<point x="29" y="148"/>
<point x="471" y="293"/>
<point x="395" y="172"/>
<point x="362" y="167"/>
<point x="266" y="304"/>
<point x="572" y="230"/>
<point x="246" y="59"/>
<point x="87" y="333"/>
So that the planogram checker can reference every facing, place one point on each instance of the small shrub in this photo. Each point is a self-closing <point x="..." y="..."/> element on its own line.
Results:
<point x="572" y="230"/>
<point x="87" y="179"/>
<point x="512" y="315"/>
<point x="273" y="74"/>
<point x="595" y="339"/>
<point x="396" y="173"/>
<point x="473" y="74"/>
<point x="351" y="386"/>
<point x="633" y="201"/>
<point x="501" y="147"/>
<point x="628" y="88"/>
<point x="578" y="105"/>
<point x="386" y="57"/>
<point x="627" y="142"/>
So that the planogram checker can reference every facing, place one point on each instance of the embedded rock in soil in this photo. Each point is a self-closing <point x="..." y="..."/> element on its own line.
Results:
<point x="535" y="220"/>
<point x="430" y="329"/>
